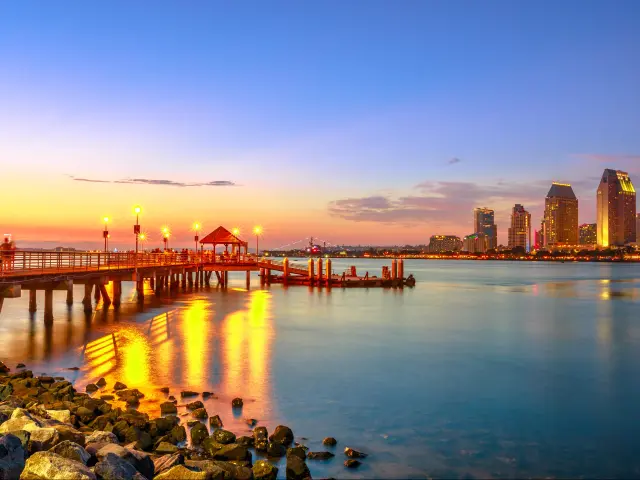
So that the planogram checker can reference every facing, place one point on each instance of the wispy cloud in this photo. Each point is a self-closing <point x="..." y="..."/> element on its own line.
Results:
<point x="453" y="161"/>
<point x="608" y="157"/>
<point x="150" y="181"/>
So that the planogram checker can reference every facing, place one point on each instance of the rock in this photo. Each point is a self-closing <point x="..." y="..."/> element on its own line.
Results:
<point x="101" y="383"/>
<point x="200" y="413"/>
<point x="12" y="455"/>
<point x="20" y="365"/>
<point x="198" y="433"/>
<point x="260" y="438"/>
<point x="297" y="468"/>
<point x="252" y="422"/>
<point x="142" y="439"/>
<point x="132" y="401"/>
<point x="297" y="451"/>
<point x="232" y="452"/>
<point x="351" y="463"/>
<point x="23" y="436"/>
<point x="168" y="408"/>
<point x="63" y="416"/>
<point x="173" y="399"/>
<point x="210" y="446"/>
<point x="320" y="455"/>
<point x="166" y="462"/>
<point x="165" y="424"/>
<point x="51" y="466"/>
<point x="42" y="439"/>
<point x="192" y="423"/>
<point x="92" y="387"/>
<point x="282" y="435"/>
<point x="5" y="391"/>
<point x="215" y="421"/>
<point x="101" y="437"/>
<point x="206" y="395"/>
<point x="119" y="386"/>
<point x="276" y="450"/>
<point x="180" y="472"/>
<point x="85" y="415"/>
<point x="178" y="434"/>
<point x="188" y="393"/>
<point x="224" y="437"/>
<point x="330" y="442"/>
<point x="164" y="389"/>
<point x="236" y="403"/>
<point x="129" y="392"/>
<point x="140" y="460"/>
<point x="72" y="451"/>
<point x="263" y="470"/>
<point x="166" y="448"/>
<point x="4" y="368"/>
<point x="112" y="467"/>
<point x="75" y="369"/>
<point x="246" y="441"/>
<point x="351" y="453"/>
<point x="221" y="470"/>
<point x="69" y="433"/>
<point x="195" y="405"/>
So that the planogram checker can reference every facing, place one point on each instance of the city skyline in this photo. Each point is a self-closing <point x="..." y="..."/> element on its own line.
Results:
<point x="358" y="125"/>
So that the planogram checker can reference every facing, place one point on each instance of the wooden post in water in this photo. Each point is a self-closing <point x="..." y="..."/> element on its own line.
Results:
<point x="69" y="292"/>
<point x="329" y="274"/>
<point x="184" y="279"/>
<point x="86" y="300"/>
<point x="33" y="306"/>
<point x="394" y="272"/>
<point x="105" y="295"/>
<point x="96" y="293"/>
<point x="190" y="279"/>
<point x="48" y="305"/>
<point x="152" y="283"/>
<point x="140" y="289"/>
<point x="311" y="274"/>
<point x="401" y="273"/>
<point x="248" y="279"/>
<point x="319" y="272"/>
<point x="117" y="292"/>
<point x="285" y="270"/>
<point x="262" y="274"/>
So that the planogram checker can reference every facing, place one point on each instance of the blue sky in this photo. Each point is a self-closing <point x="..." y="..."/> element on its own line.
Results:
<point x="325" y="102"/>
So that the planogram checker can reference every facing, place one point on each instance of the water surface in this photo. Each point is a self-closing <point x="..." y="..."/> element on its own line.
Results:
<point x="485" y="369"/>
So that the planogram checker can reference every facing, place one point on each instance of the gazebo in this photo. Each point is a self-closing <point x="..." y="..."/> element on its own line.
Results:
<point x="222" y="236"/>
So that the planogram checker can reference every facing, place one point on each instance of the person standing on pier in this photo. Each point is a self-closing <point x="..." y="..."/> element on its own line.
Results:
<point x="7" y="252"/>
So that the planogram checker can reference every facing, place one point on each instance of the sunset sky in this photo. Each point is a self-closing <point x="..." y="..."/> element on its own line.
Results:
<point x="359" y="121"/>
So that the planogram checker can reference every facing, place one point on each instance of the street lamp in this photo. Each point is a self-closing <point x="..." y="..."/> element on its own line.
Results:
<point x="142" y="238"/>
<point x="105" y="234"/>
<point x="136" y="227"/>
<point x="196" y="228"/>
<point x="257" y="231"/>
<point x="165" y="237"/>
<point x="236" y="231"/>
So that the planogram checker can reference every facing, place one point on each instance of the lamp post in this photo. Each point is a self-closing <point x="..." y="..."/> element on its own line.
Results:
<point x="136" y="227"/>
<point x="196" y="228"/>
<point x="142" y="238"/>
<point x="257" y="231"/>
<point x="105" y="234"/>
<point x="165" y="237"/>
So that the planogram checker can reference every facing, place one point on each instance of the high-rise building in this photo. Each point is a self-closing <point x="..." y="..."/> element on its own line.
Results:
<point x="588" y="234"/>
<point x="520" y="230"/>
<point x="637" y="227"/>
<point x="483" y="221"/>
<point x="616" y="209"/>
<point x="560" y="216"/>
<point x="444" y="243"/>
<point x="476" y="243"/>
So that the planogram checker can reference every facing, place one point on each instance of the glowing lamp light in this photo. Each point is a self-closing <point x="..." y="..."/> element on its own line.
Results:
<point x="106" y="219"/>
<point x="257" y="230"/>
<point x="142" y="236"/>
<point x="236" y="231"/>
<point x="137" y="210"/>
<point x="196" y="226"/>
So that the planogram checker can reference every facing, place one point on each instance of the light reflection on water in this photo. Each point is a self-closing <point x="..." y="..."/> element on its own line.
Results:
<point x="484" y="369"/>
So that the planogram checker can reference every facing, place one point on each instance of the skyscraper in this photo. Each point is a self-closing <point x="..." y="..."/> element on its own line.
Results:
<point x="616" y="209"/>
<point x="520" y="230"/>
<point x="588" y="234"/>
<point x="475" y="243"/>
<point x="484" y="223"/>
<point x="638" y="227"/>
<point x="560" y="216"/>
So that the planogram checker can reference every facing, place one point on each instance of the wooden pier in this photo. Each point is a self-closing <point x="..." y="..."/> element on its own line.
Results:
<point x="59" y="271"/>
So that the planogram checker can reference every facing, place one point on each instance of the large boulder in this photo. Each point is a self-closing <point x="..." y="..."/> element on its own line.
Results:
<point x="282" y="435"/>
<point x="195" y="405"/>
<point x="51" y="466"/>
<point x="5" y="391"/>
<point x="178" y="434"/>
<point x="180" y="472"/>
<point x="4" y="368"/>
<point x="101" y="437"/>
<point x="223" y="436"/>
<point x="119" y="386"/>
<point x="168" y="408"/>
<point x="43" y="439"/>
<point x="200" y="413"/>
<point x="260" y="439"/>
<point x="166" y="448"/>
<point x="232" y="452"/>
<point x="330" y="442"/>
<point x="166" y="462"/>
<point x="297" y="468"/>
<point x="221" y="470"/>
<point x="199" y="433"/>
<point x="320" y="455"/>
<point x="112" y="467"/>
<point x="140" y="460"/>
<point x="246" y="441"/>
<point x="276" y="450"/>
<point x="12" y="455"/>
<point x="69" y="433"/>
<point x="72" y="451"/>
<point x="263" y="470"/>
<point x="63" y="416"/>
<point x="165" y="424"/>
<point x="299" y="452"/>
<point x="215" y="422"/>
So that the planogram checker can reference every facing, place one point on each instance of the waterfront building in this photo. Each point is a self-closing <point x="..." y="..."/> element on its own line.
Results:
<point x="588" y="234"/>
<point x="560" y="216"/>
<point x="444" y="243"/>
<point x="637" y="227"/>
<point x="476" y="243"/>
<point x="616" y="209"/>
<point x="483" y="222"/>
<point x="520" y="230"/>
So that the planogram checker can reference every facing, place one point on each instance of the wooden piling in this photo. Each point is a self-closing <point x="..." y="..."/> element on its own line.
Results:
<point x="184" y="280"/>
<point x="401" y="273"/>
<point x="140" y="289"/>
<point x="69" y="292"/>
<point x="319" y="271"/>
<point x="117" y="292"/>
<point x="96" y="293"/>
<point x="32" y="301"/>
<point x="86" y="300"/>
<point x="394" y="271"/>
<point x="311" y="274"/>
<point x="248" y="279"/>
<point x="105" y="295"/>
<point x="329" y="273"/>
<point x="48" y="305"/>
<point x="285" y="270"/>
<point x="152" y="283"/>
<point x="262" y="275"/>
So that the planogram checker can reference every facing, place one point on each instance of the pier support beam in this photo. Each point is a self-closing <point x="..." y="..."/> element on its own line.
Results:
<point x="319" y="271"/>
<point x="69" y="292"/>
<point x="268" y="275"/>
<point x="184" y="279"/>
<point x="48" y="305"/>
<point x="394" y="272"/>
<point x="96" y="293"/>
<point x="285" y="271"/>
<point x="329" y="273"/>
<point x="140" y="290"/>
<point x="311" y="273"/>
<point x="86" y="300"/>
<point x="105" y="295"/>
<point x="190" y="279"/>
<point x="117" y="293"/>
<point x="152" y="283"/>
<point x="248" y="279"/>
<point x="33" y="306"/>
<point x="401" y="273"/>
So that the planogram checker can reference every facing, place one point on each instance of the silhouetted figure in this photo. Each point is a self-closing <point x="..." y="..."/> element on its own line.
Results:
<point x="6" y="249"/>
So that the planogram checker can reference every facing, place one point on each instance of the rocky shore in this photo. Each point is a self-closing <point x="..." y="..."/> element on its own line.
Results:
<point x="49" y="431"/>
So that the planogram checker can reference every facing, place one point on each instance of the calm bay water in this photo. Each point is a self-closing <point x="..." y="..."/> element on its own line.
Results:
<point x="484" y="369"/>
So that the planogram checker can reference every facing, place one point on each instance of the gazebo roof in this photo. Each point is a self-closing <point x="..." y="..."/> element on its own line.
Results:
<point x="222" y="236"/>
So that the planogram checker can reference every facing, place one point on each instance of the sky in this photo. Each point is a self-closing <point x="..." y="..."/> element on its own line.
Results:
<point x="357" y="122"/>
